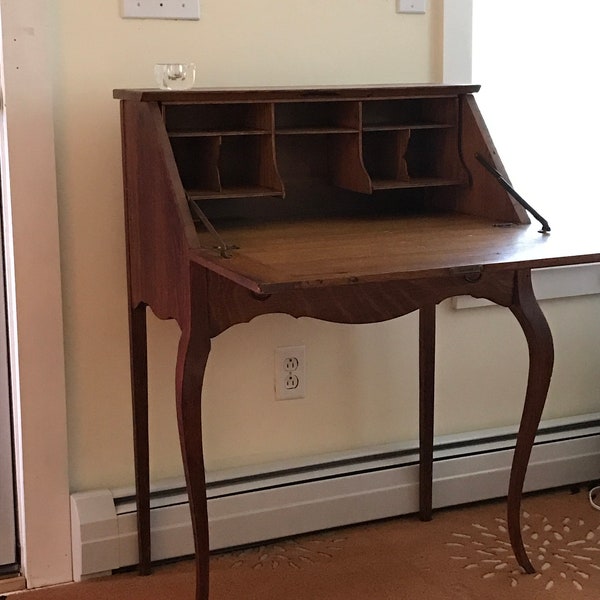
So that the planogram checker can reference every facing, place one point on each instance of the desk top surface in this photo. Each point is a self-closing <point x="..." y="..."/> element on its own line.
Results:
<point x="275" y="256"/>
<point x="266" y="94"/>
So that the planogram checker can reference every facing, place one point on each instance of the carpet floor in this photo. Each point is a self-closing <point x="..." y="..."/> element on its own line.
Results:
<point x="463" y="554"/>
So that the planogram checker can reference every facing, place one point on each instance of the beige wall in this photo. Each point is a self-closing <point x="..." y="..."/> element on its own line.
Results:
<point x="362" y="381"/>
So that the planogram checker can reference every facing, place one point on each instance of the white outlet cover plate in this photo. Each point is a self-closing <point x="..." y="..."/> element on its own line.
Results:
<point x="281" y="356"/>
<point x="161" y="9"/>
<point x="411" y="6"/>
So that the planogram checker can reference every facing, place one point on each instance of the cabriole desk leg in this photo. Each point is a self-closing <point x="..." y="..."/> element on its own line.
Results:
<point x="541" y="360"/>
<point x="194" y="348"/>
<point x="426" y="408"/>
<point x="139" y="394"/>
<point x="191" y="363"/>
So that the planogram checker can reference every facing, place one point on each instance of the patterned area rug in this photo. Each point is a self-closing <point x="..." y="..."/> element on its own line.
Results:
<point x="463" y="554"/>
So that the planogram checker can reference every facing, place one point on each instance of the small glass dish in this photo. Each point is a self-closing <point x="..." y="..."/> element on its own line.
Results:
<point x="175" y="76"/>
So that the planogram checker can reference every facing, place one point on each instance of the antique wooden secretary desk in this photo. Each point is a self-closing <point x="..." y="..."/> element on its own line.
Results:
<point x="352" y="205"/>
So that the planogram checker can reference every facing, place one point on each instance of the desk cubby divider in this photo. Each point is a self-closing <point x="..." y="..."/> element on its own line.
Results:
<point x="347" y="165"/>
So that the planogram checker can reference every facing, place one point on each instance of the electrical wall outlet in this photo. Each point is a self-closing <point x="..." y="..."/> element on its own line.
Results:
<point x="161" y="9"/>
<point x="290" y="373"/>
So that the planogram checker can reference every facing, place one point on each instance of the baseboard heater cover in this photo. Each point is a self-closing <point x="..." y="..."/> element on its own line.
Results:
<point x="332" y="493"/>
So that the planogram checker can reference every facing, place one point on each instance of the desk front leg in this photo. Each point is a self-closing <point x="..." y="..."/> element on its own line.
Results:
<point x="541" y="360"/>
<point x="191" y="363"/>
<point x="192" y="356"/>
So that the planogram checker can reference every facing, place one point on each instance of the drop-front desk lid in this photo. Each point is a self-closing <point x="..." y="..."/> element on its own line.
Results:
<point x="272" y="256"/>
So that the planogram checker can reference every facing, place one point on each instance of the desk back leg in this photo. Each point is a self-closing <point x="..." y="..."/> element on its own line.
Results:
<point x="541" y="361"/>
<point x="426" y="408"/>
<point x="139" y="394"/>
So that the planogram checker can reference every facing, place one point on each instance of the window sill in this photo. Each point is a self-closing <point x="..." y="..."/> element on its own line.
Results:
<point x="553" y="282"/>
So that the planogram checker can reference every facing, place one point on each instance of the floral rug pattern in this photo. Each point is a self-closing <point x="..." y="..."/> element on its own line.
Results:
<point x="568" y="550"/>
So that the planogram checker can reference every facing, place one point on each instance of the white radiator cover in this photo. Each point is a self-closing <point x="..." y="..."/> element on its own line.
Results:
<point x="271" y="501"/>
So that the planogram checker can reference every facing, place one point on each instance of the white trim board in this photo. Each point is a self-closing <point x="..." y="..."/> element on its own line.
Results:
<point x="34" y="314"/>
<point x="458" y="41"/>
<point x="363" y="486"/>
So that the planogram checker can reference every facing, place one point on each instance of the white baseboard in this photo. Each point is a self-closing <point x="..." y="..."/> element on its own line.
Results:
<point x="254" y="505"/>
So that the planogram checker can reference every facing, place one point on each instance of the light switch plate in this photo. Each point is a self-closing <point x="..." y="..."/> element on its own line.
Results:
<point x="161" y="9"/>
<point x="411" y="6"/>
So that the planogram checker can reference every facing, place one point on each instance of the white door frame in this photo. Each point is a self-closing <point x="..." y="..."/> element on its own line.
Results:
<point x="33" y="275"/>
<point x="457" y="42"/>
<point x="34" y="302"/>
<point x="8" y="552"/>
